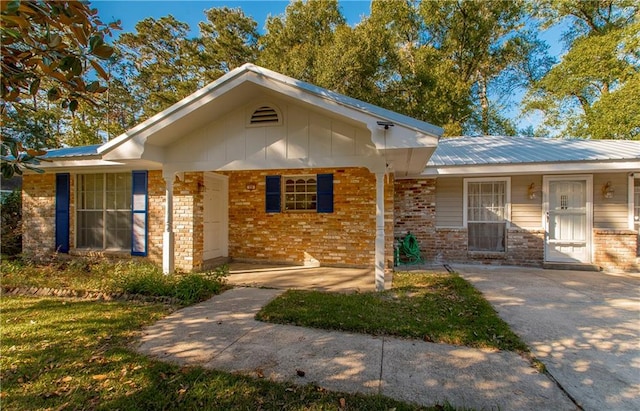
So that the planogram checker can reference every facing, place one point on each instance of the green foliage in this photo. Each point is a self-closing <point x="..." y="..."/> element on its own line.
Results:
<point x="228" y="39"/>
<point x="47" y="50"/>
<point x="11" y="224"/>
<point x="161" y="63"/>
<point x="132" y="277"/>
<point x="435" y="307"/>
<point x="592" y="92"/>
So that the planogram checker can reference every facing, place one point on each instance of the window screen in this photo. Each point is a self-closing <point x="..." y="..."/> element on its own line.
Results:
<point x="486" y="215"/>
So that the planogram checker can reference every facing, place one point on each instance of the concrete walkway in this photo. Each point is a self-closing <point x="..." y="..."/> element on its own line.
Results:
<point x="584" y="326"/>
<point x="221" y="334"/>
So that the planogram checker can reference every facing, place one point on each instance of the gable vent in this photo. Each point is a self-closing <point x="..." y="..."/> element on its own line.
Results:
<point x="264" y="115"/>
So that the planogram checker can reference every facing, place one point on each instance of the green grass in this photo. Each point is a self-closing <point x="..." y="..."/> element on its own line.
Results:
<point x="117" y="277"/>
<point x="63" y="354"/>
<point x="435" y="307"/>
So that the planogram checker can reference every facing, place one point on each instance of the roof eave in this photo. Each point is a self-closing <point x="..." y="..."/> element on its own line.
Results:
<point x="533" y="168"/>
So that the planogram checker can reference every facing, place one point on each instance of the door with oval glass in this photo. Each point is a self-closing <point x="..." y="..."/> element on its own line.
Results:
<point x="568" y="218"/>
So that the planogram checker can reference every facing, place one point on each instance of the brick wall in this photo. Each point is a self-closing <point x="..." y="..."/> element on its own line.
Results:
<point x="38" y="214"/>
<point x="616" y="249"/>
<point x="415" y="212"/>
<point x="156" y="202"/>
<point x="345" y="237"/>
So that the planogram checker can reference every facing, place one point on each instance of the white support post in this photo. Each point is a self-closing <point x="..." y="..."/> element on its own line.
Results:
<point x="379" y="250"/>
<point x="168" y="266"/>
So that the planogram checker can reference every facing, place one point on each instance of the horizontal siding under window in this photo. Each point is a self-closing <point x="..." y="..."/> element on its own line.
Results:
<point x="449" y="202"/>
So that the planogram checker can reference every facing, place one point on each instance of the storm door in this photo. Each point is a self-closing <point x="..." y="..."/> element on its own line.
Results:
<point x="568" y="219"/>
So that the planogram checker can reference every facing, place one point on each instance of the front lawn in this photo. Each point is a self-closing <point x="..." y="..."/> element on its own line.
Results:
<point x="62" y="354"/>
<point x="131" y="277"/>
<point x="435" y="307"/>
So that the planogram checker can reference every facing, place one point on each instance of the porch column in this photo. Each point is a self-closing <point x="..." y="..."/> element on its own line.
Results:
<point x="168" y="266"/>
<point x="379" y="258"/>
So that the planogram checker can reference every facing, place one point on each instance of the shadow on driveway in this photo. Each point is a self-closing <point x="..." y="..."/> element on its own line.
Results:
<point x="584" y="326"/>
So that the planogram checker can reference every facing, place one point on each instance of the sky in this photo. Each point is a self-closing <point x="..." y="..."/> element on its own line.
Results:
<point x="130" y="12"/>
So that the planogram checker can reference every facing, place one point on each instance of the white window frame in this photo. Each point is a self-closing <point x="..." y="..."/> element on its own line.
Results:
<point x="314" y="193"/>
<point x="104" y="210"/>
<point x="465" y="205"/>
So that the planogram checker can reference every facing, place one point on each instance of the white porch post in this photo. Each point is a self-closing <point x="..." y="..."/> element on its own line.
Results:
<point x="168" y="266"/>
<point x="379" y="258"/>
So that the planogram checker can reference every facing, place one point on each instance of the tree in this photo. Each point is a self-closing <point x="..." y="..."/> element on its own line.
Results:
<point x="161" y="63"/>
<point x="488" y="47"/>
<point x="228" y="40"/>
<point x="297" y="44"/>
<point x="593" y="91"/>
<point x="53" y="45"/>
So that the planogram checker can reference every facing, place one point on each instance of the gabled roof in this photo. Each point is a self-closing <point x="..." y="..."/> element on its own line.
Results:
<point x="259" y="75"/>
<point x="477" y="154"/>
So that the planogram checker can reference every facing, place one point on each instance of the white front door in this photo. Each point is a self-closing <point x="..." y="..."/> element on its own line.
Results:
<point x="568" y="219"/>
<point x="216" y="215"/>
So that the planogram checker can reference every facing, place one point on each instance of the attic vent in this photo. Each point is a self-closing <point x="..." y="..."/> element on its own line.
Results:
<point x="264" y="116"/>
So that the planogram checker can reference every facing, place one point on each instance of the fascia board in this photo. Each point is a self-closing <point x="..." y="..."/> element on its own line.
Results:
<point x="537" y="168"/>
<point x="333" y="101"/>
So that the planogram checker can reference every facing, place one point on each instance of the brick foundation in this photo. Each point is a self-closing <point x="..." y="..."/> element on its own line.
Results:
<point x="616" y="249"/>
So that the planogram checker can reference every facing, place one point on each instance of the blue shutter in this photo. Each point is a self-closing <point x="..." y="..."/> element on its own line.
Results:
<point x="139" y="215"/>
<point x="325" y="193"/>
<point x="273" y="191"/>
<point x="63" y="188"/>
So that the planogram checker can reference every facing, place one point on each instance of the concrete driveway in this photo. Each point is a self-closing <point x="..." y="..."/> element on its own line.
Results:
<point x="584" y="326"/>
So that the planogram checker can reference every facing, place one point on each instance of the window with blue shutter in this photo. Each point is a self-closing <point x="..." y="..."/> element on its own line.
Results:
<point x="139" y="215"/>
<point x="273" y="194"/>
<point x="325" y="193"/>
<point x="63" y="188"/>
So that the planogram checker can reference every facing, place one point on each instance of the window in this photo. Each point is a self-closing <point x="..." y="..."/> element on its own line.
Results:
<point x="104" y="212"/>
<point x="300" y="193"/>
<point x="486" y="213"/>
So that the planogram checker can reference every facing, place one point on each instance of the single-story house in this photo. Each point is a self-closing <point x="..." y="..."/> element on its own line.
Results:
<point x="258" y="166"/>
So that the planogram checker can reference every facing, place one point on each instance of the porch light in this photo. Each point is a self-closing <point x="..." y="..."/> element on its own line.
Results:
<point x="607" y="190"/>
<point x="533" y="191"/>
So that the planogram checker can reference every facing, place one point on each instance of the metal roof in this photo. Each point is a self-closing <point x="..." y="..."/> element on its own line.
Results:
<point x="466" y="151"/>
<point x="346" y="101"/>
<point x="82" y="151"/>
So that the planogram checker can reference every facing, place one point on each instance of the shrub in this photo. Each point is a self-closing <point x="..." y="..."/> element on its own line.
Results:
<point x="146" y="279"/>
<point x="11" y="224"/>
<point x="140" y="278"/>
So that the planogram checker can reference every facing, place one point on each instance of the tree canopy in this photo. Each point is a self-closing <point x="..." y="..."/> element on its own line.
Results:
<point x="460" y="64"/>
<point x="47" y="48"/>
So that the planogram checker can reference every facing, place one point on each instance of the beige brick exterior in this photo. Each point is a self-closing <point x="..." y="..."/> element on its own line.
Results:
<point x="345" y="237"/>
<point x="616" y="249"/>
<point x="38" y="214"/>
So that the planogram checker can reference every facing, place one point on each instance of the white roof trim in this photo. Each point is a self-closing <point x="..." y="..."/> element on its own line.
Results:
<point x="421" y="128"/>
<point x="532" y="168"/>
